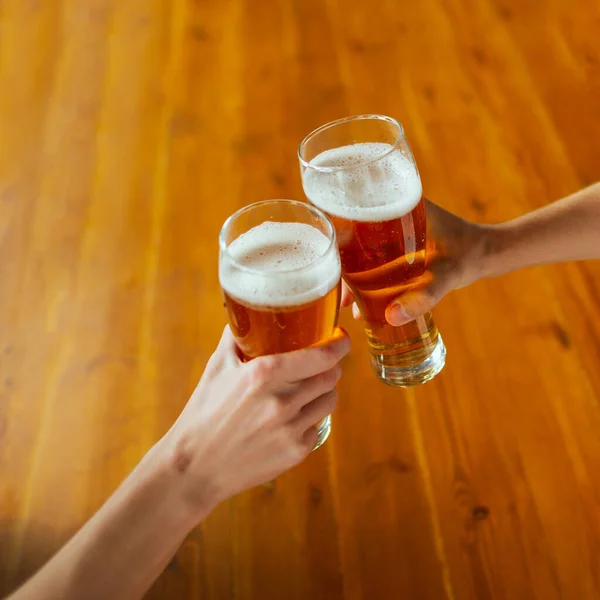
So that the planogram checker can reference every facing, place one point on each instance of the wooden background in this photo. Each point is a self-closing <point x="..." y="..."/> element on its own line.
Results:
<point x="130" y="129"/>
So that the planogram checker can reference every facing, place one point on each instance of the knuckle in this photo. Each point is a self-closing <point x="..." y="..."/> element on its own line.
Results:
<point x="256" y="370"/>
<point x="289" y="443"/>
<point x="329" y="379"/>
<point x="295" y="449"/>
<point x="298" y="451"/>
<point x="265" y="367"/>
<point x="329" y="356"/>
<point x="331" y="401"/>
<point x="336" y="373"/>
<point x="274" y="412"/>
<point x="273" y="363"/>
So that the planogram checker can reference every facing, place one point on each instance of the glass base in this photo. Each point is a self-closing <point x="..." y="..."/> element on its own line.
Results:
<point x="323" y="432"/>
<point x="409" y="376"/>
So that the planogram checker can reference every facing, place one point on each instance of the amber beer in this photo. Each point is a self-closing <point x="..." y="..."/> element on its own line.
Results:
<point x="262" y="329"/>
<point x="280" y="273"/>
<point x="360" y="171"/>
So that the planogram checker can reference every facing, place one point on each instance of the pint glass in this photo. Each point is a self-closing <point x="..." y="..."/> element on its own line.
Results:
<point x="361" y="172"/>
<point x="279" y="269"/>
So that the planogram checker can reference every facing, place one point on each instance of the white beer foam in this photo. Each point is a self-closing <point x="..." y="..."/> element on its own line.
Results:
<point x="272" y="250"/>
<point x="386" y="189"/>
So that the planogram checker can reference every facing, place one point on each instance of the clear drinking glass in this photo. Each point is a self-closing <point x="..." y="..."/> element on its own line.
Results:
<point x="361" y="172"/>
<point x="279" y="269"/>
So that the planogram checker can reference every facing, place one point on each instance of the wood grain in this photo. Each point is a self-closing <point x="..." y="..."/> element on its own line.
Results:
<point x="129" y="130"/>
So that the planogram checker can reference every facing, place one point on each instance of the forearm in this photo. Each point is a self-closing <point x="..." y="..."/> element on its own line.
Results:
<point x="568" y="229"/>
<point x="125" y="546"/>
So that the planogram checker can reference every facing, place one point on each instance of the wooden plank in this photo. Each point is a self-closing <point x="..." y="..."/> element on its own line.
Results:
<point x="130" y="130"/>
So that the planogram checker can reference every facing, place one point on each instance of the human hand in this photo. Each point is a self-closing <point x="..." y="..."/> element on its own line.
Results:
<point x="246" y="423"/>
<point x="455" y="252"/>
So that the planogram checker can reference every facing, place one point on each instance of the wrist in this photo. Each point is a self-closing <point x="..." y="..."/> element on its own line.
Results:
<point x="478" y="256"/>
<point x="193" y="494"/>
<point x="495" y="241"/>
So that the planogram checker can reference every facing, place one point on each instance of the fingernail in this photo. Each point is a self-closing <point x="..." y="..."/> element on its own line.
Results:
<point x="396" y="315"/>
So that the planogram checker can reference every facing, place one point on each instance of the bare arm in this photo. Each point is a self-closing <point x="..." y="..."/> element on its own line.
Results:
<point x="244" y="425"/>
<point x="566" y="230"/>
<point x="125" y="545"/>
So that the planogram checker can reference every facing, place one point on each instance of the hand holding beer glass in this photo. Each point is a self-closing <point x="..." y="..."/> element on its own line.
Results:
<point x="280" y="273"/>
<point x="361" y="172"/>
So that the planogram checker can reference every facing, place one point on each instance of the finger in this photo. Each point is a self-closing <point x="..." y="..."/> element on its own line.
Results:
<point x="397" y="288"/>
<point x="347" y="297"/>
<point x="302" y="364"/>
<point x="314" y="412"/>
<point x="306" y="391"/>
<point x="413" y="304"/>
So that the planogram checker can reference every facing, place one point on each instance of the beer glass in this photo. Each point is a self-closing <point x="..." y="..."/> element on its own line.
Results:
<point x="280" y="273"/>
<point x="361" y="172"/>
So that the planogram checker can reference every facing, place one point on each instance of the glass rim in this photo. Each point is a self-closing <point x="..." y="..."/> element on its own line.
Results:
<point x="224" y="247"/>
<point x="366" y="117"/>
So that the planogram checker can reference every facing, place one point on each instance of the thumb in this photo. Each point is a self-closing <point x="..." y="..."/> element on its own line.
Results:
<point x="415" y="303"/>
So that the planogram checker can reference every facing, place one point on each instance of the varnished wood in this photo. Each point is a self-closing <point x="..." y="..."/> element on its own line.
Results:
<point x="130" y="129"/>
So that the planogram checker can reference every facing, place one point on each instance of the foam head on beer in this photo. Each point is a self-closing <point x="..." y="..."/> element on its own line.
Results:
<point x="368" y="182"/>
<point x="280" y="265"/>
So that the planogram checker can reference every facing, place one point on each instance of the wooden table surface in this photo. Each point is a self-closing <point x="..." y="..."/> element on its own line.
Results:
<point x="130" y="129"/>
